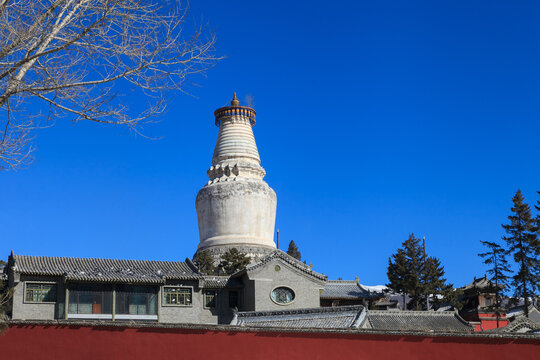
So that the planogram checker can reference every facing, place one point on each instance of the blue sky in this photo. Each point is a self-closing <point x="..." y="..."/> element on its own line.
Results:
<point x="375" y="120"/>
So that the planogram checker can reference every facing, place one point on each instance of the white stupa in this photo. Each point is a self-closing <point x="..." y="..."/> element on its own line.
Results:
<point x="236" y="208"/>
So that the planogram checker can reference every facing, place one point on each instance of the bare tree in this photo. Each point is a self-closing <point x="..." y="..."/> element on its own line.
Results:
<point x="69" y="56"/>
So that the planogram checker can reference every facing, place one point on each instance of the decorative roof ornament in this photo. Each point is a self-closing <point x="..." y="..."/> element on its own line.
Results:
<point x="235" y="101"/>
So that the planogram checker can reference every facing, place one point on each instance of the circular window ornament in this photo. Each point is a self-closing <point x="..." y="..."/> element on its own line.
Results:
<point x="277" y="268"/>
<point x="282" y="295"/>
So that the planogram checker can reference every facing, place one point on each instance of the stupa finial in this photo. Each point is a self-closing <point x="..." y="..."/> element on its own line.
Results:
<point x="235" y="101"/>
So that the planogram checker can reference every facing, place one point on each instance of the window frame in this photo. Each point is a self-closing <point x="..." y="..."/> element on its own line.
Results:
<point x="286" y="287"/>
<point x="163" y="295"/>
<point x="26" y="283"/>
<point x="125" y="294"/>
<point x="215" y="298"/>
<point x="103" y="292"/>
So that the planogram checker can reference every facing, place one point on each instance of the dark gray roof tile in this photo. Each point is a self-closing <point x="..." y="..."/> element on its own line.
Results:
<point x="415" y="321"/>
<point x="520" y="325"/>
<point x="219" y="282"/>
<point x="347" y="290"/>
<point x="105" y="270"/>
<point x="316" y="318"/>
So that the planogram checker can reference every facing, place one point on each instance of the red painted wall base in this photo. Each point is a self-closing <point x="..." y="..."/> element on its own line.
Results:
<point x="61" y="342"/>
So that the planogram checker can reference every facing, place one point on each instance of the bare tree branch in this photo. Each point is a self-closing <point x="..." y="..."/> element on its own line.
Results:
<point x="72" y="55"/>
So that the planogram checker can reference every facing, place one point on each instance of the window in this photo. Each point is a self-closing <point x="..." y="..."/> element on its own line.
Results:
<point x="282" y="295"/>
<point x="488" y="302"/>
<point x="90" y="299"/>
<point x="210" y="299"/>
<point x="177" y="296"/>
<point x="38" y="292"/>
<point x="233" y="299"/>
<point x="136" y="300"/>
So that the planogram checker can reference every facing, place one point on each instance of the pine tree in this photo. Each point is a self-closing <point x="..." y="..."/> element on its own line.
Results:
<point x="433" y="281"/>
<point x="537" y="243"/>
<point x="233" y="260"/>
<point x="414" y="281"/>
<point x="537" y="224"/>
<point x="205" y="262"/>
<point x="397" y="273"/>
<point x="498" y="271"/>
<point x="411" y="272"/>
<point x="293" y="251"/>
<point x="522" y="242"/>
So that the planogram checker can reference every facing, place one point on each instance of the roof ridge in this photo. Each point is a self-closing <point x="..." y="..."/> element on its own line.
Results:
<point x="414" y="312"/>
<point x="95" y="258"/>
<point x="303" y="311"/>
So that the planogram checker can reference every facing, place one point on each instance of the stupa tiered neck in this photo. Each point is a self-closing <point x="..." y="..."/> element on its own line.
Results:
<point x="236" y="208"/>
<point x="235" y="154"/>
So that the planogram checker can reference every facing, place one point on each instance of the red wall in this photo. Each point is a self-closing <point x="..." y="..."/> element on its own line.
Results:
<point x="107" y="342"/>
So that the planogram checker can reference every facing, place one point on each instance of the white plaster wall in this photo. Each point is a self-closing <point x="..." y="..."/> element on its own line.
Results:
<point x="236" y="213"/>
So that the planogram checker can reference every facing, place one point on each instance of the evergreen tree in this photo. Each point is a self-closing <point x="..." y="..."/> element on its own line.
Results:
<point x="411" y="272"/>
<point x="415" y="277"/>
<point x="433" y="281"/>
<point x="499" y="269"/>
<point x="293" y="251"/>
<point x="397" y="272"/>
<point x="233" y="260"/>
<point x="537" y="223"/>
<point x="205" y="262"/>
<point x="537" y="226"/>
<point x="522" y="242"/>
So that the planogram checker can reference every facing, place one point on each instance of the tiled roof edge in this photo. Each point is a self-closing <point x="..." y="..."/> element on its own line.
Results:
<point x="319" y="310"/>
<point x="349" y="331"/>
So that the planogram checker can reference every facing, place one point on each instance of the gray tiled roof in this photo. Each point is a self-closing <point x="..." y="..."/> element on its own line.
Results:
<point x="482" y="283"/>
<point x="347" y="290"/>
<point x="316" y="318"/>
<point x="520" y="325"/>
<point x="219" y="282"/>
<point x="105" y="270"/>
<point x="415" y="321"/>
<point x="518" y="312"/>
<point x="278" y="254"/>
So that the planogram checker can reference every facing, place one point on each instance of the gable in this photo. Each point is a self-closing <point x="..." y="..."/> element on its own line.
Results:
<point x="280" y="271"/>
<point x="295" y="265"/>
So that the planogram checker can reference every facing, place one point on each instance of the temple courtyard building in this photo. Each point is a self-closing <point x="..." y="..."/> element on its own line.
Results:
<point x="236" y="209"/>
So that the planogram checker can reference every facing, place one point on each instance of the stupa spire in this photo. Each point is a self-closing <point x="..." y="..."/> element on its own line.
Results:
<point x="235" y="101"/>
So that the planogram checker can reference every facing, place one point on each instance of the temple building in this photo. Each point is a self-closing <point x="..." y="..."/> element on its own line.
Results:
<point x="235" y="209"/>
<point x="479" y="305"/>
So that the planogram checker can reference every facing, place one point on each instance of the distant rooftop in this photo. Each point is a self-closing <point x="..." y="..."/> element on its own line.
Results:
<point x="347" y="290"/>
<point x="482" y="283"/>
